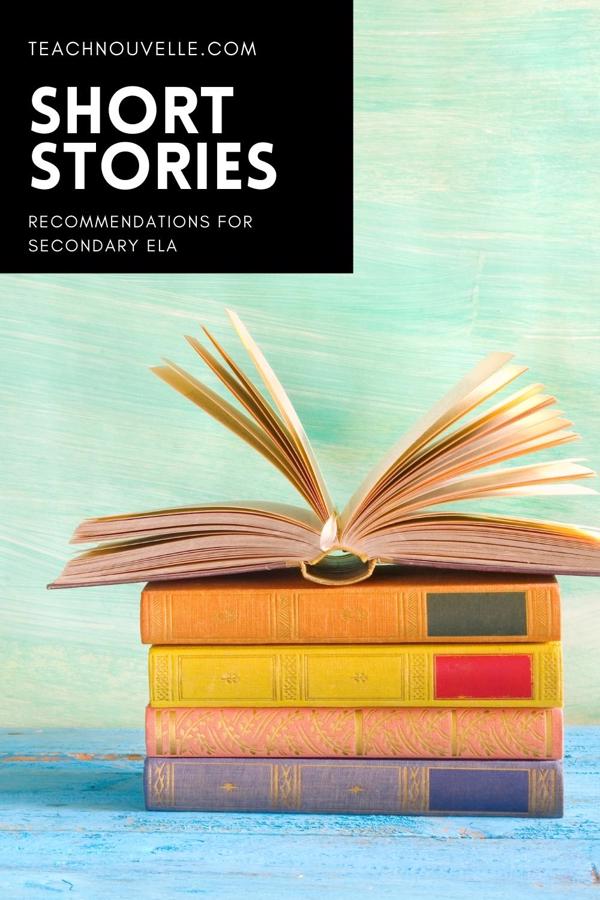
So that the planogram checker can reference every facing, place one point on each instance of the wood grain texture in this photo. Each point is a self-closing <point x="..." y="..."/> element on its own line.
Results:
<point x="72" y="822"/>
<point x="477" y="222"/>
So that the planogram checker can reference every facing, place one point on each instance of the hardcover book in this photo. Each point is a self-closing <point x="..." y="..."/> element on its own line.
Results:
<point x="419" y="788"/>
<point x="394" y="516"/>
<point x="395" y="606"/>
<point x="357" y="675"/>
<point x="397" y="732"/>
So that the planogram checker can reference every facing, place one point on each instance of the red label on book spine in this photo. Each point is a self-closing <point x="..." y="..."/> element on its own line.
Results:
<point x="483" y="677"/>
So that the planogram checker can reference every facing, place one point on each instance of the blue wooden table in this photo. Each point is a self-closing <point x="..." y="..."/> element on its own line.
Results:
<point x="72" y="822"/>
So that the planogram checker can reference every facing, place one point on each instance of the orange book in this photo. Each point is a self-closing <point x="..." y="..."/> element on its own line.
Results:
<point x="394" y="606"/>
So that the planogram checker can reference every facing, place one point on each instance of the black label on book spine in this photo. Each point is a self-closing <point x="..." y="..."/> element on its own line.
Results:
<point x="485" y="614"/>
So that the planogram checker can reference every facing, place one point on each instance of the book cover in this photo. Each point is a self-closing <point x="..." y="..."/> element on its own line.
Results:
<point x="395" y="606"/>
<point x="429" y="733"/>
<point x="519" y="675"/>
<point x="460" y="788"/>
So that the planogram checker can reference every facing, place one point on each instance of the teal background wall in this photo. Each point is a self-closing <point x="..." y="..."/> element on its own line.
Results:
<point x="477" y="222"/>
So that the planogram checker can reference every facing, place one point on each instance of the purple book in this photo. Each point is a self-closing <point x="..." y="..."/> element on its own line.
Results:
<point x="392" y="787"/>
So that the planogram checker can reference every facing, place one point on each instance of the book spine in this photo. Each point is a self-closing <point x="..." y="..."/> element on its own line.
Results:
<point x="476" y="613"/>
<point x="366" y="786"/>
<point x="507" y="675"/>
<point x="356" y="732"/>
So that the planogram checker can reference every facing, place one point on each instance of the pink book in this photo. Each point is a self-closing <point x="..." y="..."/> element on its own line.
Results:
<point x="397" y="732"/>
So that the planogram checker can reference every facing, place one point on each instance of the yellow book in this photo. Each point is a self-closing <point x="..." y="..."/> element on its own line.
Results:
<point x="357" y="675"/>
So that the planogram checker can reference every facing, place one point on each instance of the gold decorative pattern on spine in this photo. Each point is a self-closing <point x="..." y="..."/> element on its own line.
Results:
<point x="158" y="732"/>
<point x="172" y="733"/>
<point x="413" y="789"/>
<point x="542" y="791"/>
<point x="550" y="677"/>
<point x="453" y="733"/>
<point x="286" y="617"/>
<point x="409" y="612"/>
<point x="416" y="678"/>
<point x="162" y="788"/>
<point x="289" y="677"/>
<point x="159" y="617"/>
<point x="162" y="680"/>
<point x="285" y="786"/>
<point x="358" y="732"/>
<point x="538" y="613"/>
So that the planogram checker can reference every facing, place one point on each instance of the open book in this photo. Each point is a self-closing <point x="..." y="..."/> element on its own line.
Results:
<point x="454" y="453"/>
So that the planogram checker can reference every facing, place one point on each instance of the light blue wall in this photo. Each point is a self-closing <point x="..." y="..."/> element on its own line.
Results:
<point x="477" y="222"/>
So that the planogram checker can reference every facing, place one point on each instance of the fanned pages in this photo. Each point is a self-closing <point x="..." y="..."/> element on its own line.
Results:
<point x="457" y="452"/>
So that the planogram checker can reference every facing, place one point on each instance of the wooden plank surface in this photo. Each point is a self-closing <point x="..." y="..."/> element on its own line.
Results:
<point x="72" y="822"/>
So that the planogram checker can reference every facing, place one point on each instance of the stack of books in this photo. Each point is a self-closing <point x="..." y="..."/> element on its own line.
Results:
<point x="429" y="693"/>
<point x="374" y="684"/>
